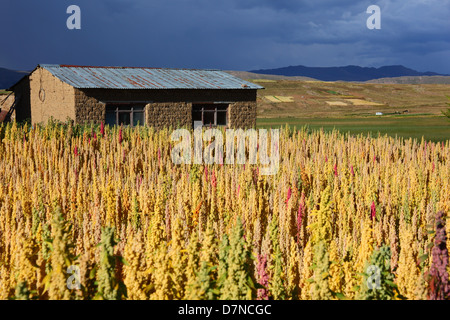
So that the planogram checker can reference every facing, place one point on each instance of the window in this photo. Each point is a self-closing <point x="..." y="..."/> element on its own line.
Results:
<point x="125" y="115"/>
<point x="210" y="114"/>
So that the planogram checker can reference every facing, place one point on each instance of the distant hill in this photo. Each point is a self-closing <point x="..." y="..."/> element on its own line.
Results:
<point x="252" y="76"/>
<point x="348" y="73"/>
<point x="10" y="77"/>
<point x="414" y="80"/>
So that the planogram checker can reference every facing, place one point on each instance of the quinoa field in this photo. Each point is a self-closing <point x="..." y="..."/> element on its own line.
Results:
<point x="94" y="212"/>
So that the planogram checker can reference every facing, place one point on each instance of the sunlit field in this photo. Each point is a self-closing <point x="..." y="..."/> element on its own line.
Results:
<point x="104" y="213"/>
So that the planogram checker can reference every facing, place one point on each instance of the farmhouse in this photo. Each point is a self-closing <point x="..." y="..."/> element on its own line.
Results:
<point x="135" y="96"/>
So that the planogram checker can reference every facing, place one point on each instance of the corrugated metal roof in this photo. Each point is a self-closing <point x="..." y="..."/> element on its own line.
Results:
<point x="84" y="77"/>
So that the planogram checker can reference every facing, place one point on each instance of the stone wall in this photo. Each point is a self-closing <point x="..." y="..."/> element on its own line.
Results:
<point x="49" y="97"/>
<point x="88" y="109"/>
<point x="161" y="106"/>
<point x="242" y="115"/>
<point x="175" y="115"/>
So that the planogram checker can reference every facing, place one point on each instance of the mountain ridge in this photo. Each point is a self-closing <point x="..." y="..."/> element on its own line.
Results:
<point x="9" y="77"/>
<point x="346" y="73"/>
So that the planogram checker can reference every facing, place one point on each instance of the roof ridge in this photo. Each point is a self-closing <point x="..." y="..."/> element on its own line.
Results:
<point x="120" y="67"/>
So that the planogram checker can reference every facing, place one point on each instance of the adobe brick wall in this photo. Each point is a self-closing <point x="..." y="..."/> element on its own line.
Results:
<point x="57" y="98"/>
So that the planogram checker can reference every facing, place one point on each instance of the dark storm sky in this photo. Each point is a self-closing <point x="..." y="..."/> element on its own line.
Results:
<point x="226" y="34"/>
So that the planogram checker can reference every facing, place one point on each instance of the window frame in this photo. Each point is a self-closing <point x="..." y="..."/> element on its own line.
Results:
<point x="200" y="108"/>
<point x="117" y="108"/>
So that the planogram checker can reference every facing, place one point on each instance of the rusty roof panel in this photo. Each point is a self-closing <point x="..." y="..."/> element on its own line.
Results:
<point x="84" y="77"/>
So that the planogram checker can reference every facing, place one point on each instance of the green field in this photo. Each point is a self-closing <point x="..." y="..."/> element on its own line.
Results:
<point x="433" y="128"/>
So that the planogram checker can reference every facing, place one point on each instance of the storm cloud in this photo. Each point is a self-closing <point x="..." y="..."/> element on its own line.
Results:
<point x="230" y="35"/>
